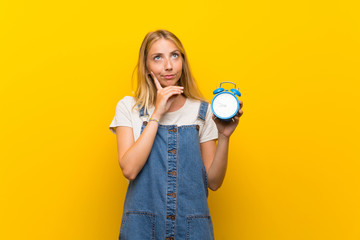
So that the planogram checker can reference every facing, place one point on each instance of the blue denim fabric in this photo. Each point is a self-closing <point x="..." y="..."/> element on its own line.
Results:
<point x="168" y="198"/>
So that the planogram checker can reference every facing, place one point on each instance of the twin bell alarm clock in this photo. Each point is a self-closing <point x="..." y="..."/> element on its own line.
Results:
<point x="225" y="104"/>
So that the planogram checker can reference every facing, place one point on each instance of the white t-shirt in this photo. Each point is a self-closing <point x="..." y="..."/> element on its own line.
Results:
<point x="186" y="115"/>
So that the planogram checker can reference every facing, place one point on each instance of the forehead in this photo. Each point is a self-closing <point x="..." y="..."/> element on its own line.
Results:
<point x="162" y="45"/>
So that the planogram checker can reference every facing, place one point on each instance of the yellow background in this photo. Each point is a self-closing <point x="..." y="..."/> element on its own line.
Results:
<point x="293" y="169"/>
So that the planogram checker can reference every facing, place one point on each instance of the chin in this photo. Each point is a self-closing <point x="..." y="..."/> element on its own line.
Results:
<point x="166" y="83"/>
<point x="173" y="83"/>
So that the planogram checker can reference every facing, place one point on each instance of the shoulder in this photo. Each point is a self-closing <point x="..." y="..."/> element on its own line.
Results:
<point x="197" y="107"/>
<point x="126" y="102"/>
<point x="197" y="103"/>
<point x="201" y="107"/>
<point x="209" y="130"/>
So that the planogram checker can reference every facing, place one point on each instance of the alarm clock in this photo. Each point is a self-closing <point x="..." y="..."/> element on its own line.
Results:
<point x="225" y="104"/>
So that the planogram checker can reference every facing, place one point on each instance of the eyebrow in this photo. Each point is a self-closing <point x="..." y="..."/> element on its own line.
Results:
<point x="161" y="53"/>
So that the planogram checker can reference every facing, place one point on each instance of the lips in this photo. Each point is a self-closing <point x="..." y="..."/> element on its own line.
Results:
<point x="169" y="76"/>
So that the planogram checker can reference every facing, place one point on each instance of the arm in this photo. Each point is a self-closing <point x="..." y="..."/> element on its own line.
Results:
<point x="133" y="155"/>
<point x="215" y="157"/>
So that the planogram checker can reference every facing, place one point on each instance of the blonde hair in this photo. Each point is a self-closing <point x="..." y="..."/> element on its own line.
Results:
<point x="145" y="94"/>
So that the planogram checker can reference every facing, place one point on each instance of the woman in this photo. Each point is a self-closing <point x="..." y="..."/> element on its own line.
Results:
<point x="166" y="138"/>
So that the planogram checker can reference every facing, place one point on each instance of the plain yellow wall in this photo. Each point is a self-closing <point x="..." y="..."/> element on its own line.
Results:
<point x="294" y="165"/>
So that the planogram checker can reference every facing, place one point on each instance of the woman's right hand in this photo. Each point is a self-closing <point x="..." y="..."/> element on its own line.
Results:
<point x="134" y="154"/>
<point x="164" y="97"/>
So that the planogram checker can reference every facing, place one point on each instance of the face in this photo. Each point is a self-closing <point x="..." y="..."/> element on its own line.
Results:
<point x="164" y="60"/>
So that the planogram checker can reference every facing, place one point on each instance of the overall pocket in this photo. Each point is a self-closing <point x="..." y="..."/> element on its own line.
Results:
<point x="199" y="227"/>
<point x="138" y="225"/>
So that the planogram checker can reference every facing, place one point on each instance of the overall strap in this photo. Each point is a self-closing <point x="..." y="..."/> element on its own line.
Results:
<point x="142" y="110"/>
<point x="142" y="114"/>
<point x="203" y="110"/>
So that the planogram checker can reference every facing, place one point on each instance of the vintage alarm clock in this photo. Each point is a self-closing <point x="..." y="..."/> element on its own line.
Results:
<point x="225" y="104"/>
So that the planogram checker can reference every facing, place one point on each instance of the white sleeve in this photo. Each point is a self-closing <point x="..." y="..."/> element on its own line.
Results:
<point x="122" y="115"/>
<point x="209" y="130"/>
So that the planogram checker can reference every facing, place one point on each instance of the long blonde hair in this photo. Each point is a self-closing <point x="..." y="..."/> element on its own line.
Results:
<point x="145" y="94"/>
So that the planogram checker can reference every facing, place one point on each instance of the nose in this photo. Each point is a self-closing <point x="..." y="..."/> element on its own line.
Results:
<point x="168" y="65"/>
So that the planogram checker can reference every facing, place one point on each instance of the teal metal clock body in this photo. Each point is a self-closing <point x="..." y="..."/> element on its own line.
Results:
<point x="225" y="104"/>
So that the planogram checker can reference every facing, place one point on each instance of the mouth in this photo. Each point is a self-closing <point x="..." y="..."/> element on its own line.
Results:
<point x="169" y="76"/>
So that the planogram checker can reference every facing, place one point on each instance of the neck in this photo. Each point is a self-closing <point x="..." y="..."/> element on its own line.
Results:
<point x="178" y="103"/>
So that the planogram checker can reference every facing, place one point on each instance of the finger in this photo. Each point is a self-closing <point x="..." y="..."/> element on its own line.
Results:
<point x="239" y="113"/>
<point x="234" y="120"/>
<point x="165" y="91"/>
<point x="215" y="119"/>
<point x="241" y="104"/>
<point x="167" y="95"/>
<point x="156" y="81"/>
<point x="171" y="88"/>
<point x="173" y="92"/>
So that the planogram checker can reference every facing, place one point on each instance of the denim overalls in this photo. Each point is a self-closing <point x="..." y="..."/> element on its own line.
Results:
<point x="168" y="198"/>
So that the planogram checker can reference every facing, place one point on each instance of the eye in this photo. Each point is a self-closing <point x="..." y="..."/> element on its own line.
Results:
<point x="156" y="57"/>
<point x="175" y="54"/>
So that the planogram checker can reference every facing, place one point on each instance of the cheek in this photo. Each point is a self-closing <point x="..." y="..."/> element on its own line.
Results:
<point x="179" y="65"/>
<point x="154" y="68"/>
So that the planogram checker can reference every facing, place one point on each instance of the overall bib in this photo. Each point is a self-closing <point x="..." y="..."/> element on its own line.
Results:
<point x="168" y="198"/>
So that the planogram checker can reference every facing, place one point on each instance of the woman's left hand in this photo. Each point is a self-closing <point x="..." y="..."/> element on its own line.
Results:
<point x="227" y="128"/>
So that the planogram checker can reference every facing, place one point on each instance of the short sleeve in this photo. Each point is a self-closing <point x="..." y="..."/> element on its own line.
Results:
<point x="122" y="115"/>
<point x="209" y="130"/>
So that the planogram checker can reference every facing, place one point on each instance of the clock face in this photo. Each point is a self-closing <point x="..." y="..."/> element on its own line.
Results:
<point x="225" y="105"/>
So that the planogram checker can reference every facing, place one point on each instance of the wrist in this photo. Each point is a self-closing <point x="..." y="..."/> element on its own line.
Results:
<point x="222" y="137"/>
<point x="151" y="119"/>
<point x="156" y="116"/>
